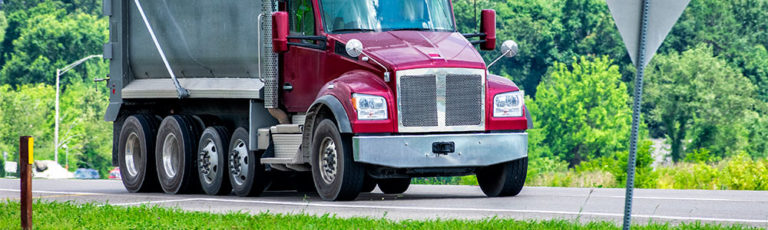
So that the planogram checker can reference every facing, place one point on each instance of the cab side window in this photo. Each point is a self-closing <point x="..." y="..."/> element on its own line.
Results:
<point x="302" y="17"/>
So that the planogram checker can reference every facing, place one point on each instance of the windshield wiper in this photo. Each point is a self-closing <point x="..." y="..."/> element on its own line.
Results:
<point x="353" y="30"/>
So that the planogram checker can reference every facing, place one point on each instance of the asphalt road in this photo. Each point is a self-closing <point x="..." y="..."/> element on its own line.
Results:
<point x="439" y="201"/>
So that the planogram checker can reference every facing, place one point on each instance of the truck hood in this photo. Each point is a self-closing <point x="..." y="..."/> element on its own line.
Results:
<point x="418" y="49"/>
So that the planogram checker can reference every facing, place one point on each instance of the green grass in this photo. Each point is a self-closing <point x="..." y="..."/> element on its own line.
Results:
<point x="90" y="216"/>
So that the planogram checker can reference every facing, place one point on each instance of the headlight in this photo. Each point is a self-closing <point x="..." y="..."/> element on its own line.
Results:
<point x="370" y="107"/>
<point x="508" y="104"/>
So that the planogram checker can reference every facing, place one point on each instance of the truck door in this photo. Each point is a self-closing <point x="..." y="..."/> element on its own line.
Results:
<point x="302" y="78"/>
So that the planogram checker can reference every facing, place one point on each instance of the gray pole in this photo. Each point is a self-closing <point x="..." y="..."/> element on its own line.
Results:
<point x="636" y="117"/>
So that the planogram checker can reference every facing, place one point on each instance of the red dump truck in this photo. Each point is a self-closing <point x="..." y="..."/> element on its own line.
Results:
<point x="332" y="96"/>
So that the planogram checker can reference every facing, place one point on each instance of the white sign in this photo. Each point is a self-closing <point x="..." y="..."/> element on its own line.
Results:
<point x="11" y="167"/>
<point x="662" y="15"/>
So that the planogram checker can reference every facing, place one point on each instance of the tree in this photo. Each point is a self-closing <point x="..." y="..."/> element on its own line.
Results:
<point x="753" y="62"/>
<point x="52" y="40"/>
<point x="583" y="110"/>
<point x="698" y="96"/>
<point x="89" y="139"/>
<point x="3" y="24"/>
<point x="27" y="112"/>
<point x="17" y="22"/>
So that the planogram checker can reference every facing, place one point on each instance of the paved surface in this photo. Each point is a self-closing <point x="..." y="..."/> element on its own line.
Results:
<point x="445" y="202"/>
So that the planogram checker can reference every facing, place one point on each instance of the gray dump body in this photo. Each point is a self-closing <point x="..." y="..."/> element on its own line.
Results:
<point x="213" y="47"/>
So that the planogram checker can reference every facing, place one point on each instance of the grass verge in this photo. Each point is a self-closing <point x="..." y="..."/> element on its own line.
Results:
<point x="49" y="215"/>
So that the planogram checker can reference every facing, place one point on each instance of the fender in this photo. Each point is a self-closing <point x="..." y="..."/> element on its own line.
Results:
<point x="339" y="113"/>
<point x="336" y="96"/>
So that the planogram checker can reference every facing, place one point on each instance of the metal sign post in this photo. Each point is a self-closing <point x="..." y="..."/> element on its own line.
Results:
<point x="643" y="24"/>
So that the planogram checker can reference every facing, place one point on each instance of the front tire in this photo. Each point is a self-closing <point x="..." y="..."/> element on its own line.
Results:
<point x="506" y="179"/>
<point x="394" y="186"/>
<point x="337" y="177"/>
<point x="246" y="173"/>
<point x="176" y="159"/>
<point x="213" y="161"/>
<point x="136" y="153"/>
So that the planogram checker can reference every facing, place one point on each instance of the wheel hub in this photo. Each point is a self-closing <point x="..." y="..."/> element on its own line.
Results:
<point x="238" y="162"/>
<point x="171" y="155"/>
<point x="132" y="152"/>
<point x="328" y="160"/>
<point x="209" y="161"/>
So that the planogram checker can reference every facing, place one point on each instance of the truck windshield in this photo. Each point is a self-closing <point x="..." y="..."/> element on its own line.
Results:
<point x="349" y="16"/>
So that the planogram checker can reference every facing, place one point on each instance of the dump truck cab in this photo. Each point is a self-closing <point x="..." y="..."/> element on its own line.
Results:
<point x="345" y="94"/>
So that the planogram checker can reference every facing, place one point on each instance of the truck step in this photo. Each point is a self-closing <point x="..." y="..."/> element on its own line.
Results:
<point x="287" y="128"/>
<point x="286" y="145"/>
<point x="276" y="160"/>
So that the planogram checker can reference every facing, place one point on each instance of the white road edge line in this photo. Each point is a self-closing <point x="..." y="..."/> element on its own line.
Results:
<point x="446" y="209"/>
<point x="54" y="192"/>
<point x="598" y="196"/>
<point x="413" y="208"/>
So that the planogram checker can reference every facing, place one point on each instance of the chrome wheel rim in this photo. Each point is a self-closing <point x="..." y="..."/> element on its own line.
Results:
<point x="209" y="161"/>
<point x="328" y="160"/>
<point x="238" y="162"/>
<point x="171" y="154"/>
<point x="132" y="151"/>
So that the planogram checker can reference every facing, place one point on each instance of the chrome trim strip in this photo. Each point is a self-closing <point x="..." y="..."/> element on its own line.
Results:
<point x="415" y="151"/>
<point x="440" y="74"/>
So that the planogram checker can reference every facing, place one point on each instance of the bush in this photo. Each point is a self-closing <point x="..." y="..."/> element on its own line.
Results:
<point x="743" y="173"/>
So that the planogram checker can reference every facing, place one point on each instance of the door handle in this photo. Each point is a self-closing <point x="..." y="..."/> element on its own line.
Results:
<point x="287" y="87"/>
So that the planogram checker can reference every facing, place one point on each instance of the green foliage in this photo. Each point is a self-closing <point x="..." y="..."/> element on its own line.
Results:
<point x="582" y="111"/>
<point x="696" y="96"/>
<point x="96" y="216"/>
<point x="30" y="111"/>
<point x="743" y="173"/>
<point x="3" y="25"/>
<point x="757" y="127"/>
<point x="27" y="111"/>
<point x="616" y="165"/>
<point x="702" y="155"/>
<point x="2" y="167"/>
<point x="736" y="173"/>
<point x="754" y="64"/>
<point x="87" y="136"/>
<point x="51" y="39"/>
<point x="689" y="176"/>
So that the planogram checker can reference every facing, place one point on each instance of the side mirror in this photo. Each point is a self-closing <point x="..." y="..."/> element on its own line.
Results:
<point x="280" y="31"/>
<point x="354" y="48"/>
<point x="488" y="27"/>
<point x="509" y="48"/>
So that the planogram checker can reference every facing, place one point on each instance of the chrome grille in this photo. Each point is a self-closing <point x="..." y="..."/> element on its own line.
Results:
<point x="441" y="100"/>
<point x="419" y="100"/>
<point x="463" y="99"/>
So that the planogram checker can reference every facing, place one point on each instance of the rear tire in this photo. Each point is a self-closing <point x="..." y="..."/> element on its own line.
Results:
<point x="213" y="161"/>
<point x="136" y="153"/>
<point x="506" y="179"/>
<point x="176" y="159"/>
<point x="394" y="186"/>
<point x="246" y="173"/>
<point x="336" y="175"/>
<point x="369" y="184"/>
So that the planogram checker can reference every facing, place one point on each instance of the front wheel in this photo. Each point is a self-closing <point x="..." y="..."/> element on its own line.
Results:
<point x="504" y="179"/>
<point x="336" y="175"/>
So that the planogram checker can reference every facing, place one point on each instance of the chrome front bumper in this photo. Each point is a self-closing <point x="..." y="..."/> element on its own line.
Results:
<point x="415" y="151"/>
